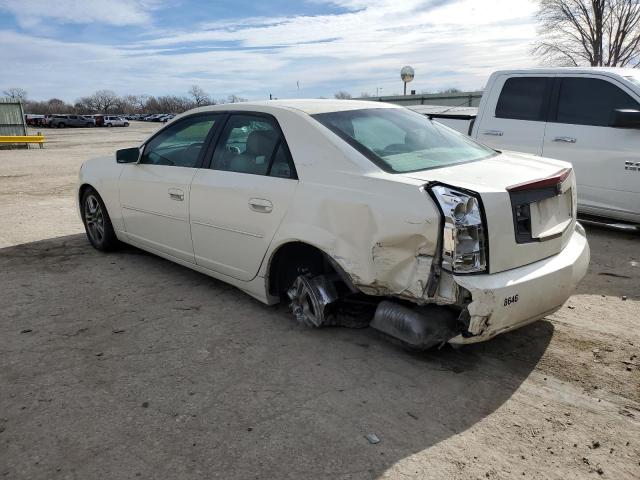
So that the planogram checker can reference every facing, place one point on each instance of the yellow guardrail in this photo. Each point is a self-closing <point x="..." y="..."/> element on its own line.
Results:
<point x="39" y="139"/>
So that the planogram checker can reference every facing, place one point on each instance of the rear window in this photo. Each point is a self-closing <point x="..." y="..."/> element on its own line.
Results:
<point x="399" y="140"/>
<point x="524" y="98"/>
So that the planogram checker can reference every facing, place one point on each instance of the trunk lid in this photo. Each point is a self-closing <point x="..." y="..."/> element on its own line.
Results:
<point x="529" y="203"/>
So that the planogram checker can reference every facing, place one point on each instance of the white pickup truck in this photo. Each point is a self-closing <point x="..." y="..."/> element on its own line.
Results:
<point x="587" y="116"/>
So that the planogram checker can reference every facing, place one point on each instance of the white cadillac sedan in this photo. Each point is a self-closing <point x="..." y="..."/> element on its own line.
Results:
<point x="357" y="213"/>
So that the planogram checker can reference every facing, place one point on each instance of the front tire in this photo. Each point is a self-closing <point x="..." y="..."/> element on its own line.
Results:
<point x="126" y="124"/>
<point x="109" y="125"/>
<point x="61" y="125"/>
<point x="97" y="223"/>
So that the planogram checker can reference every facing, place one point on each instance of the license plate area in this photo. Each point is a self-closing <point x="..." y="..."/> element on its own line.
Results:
<point x="541" y="214"/>
<point x="551" y="216"/>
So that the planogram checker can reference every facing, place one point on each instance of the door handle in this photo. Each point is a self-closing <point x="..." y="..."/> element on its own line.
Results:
<point x="494" y="133"/>
<point x="565" y="139"/>
<point x="260" y="205"/>
<point x="176" y="194"/>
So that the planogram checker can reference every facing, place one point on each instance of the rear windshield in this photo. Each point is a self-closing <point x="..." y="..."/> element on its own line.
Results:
<point x="399" y="140"/>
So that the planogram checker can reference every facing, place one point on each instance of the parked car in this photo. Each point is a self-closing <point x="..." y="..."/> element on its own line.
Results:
<point x="62" y="121"/>
<point x="34" y="120"/>
<point x="587" y="116"/>
<point x="114" y="121"/>
<point x="99" y="119"/>
<point x="338" y="204"/>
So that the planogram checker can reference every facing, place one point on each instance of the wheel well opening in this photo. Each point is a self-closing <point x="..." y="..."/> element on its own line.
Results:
<point x="293" y="259"/>
<point x="83" y="188"/>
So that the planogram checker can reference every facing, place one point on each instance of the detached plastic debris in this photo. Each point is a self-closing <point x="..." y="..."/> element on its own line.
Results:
<point x="373" y="438"/>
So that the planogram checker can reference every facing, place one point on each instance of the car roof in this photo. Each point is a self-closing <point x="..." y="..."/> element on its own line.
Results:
<point x="309" y="106"/>
<point x="580" y="70"/>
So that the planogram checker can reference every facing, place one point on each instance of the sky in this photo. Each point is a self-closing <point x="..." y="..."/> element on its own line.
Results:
<point x="253" y="48"/>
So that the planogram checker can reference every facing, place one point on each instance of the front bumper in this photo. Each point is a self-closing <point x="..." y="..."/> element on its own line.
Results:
<point x="511" y="299"/>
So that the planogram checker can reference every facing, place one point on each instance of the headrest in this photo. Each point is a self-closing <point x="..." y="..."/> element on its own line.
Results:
<point x="415" y="138"/>
<point x="261" y="142"/>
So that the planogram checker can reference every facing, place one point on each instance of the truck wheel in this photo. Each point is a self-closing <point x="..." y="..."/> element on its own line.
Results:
<point x="97" y="223"/>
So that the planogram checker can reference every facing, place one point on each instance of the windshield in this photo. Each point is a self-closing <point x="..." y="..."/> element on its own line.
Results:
<point x="399" y="140"/>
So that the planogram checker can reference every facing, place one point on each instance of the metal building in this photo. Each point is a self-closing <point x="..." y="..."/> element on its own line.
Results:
<point x="12" y="121"/>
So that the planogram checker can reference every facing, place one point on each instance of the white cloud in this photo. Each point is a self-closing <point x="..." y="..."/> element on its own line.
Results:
<point x="31" y="13"/>
<point x="450" y="44"/>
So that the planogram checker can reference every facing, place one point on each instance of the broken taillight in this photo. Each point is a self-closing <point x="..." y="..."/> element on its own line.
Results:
<point x="464" y="244"/>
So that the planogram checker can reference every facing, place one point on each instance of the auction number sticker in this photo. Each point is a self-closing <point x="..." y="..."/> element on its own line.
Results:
<point x="509" y="300"/>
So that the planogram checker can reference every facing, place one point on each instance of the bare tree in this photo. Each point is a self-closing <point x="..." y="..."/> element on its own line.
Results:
<point x="53" y="105"/>
<point x="99" y="102"/>
<point x="15" y="93"/>
<point x="449" y="91"/>
<point x="589" y="32"/>
<point x="173" y="104"/>
<point x="234" y="99"/>
<point x="200" y="97"/>
<point x="137" y="102"/>
<point x="104" y="100"/>
<point x="342" y="95"/>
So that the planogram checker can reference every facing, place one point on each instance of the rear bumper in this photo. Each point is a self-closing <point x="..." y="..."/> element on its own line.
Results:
<point x="511" y="299"/>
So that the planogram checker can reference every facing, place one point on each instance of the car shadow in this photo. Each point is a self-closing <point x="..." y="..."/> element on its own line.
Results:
<point x="125" y="364"/>
<point x="614" y="269"/>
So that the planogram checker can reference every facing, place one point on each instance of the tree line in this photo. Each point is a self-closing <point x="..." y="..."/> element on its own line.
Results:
<point x="589" y="32"/>
<point x="107" y="101"/>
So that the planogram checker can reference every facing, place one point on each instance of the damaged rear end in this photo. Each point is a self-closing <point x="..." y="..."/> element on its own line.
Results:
<point x="509" y="252"/>
<point x="510" y="249"/>
<point x="507" y="249"/>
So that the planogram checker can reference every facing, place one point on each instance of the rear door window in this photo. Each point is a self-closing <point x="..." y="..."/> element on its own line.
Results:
<point x="253" y="144"/>
<point x="591" y="101"/>
<point x="524" y="98"/>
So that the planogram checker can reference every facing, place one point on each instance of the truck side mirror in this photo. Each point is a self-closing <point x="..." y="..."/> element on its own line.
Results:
<point x="625" y="118"/>
<point x="128" y="155"/>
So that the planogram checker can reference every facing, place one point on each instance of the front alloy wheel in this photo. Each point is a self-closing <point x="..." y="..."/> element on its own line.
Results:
<point x="94" y="219"/>
<point x="97" y="222"/>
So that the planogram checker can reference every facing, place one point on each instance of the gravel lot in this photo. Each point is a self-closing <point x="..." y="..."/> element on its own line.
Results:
<point x="128" y="366"/>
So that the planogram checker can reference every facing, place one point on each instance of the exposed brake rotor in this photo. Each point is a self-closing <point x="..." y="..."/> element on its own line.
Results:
<point x="316" y="302"/>
<point x="310" y="298"/>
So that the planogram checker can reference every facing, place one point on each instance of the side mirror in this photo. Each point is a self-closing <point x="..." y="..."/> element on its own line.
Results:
<point x="128" y="155"/>
<point x="625" y="118"/>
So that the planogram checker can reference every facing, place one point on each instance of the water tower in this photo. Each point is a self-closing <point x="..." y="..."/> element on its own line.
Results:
<point x="406" y="74"/>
